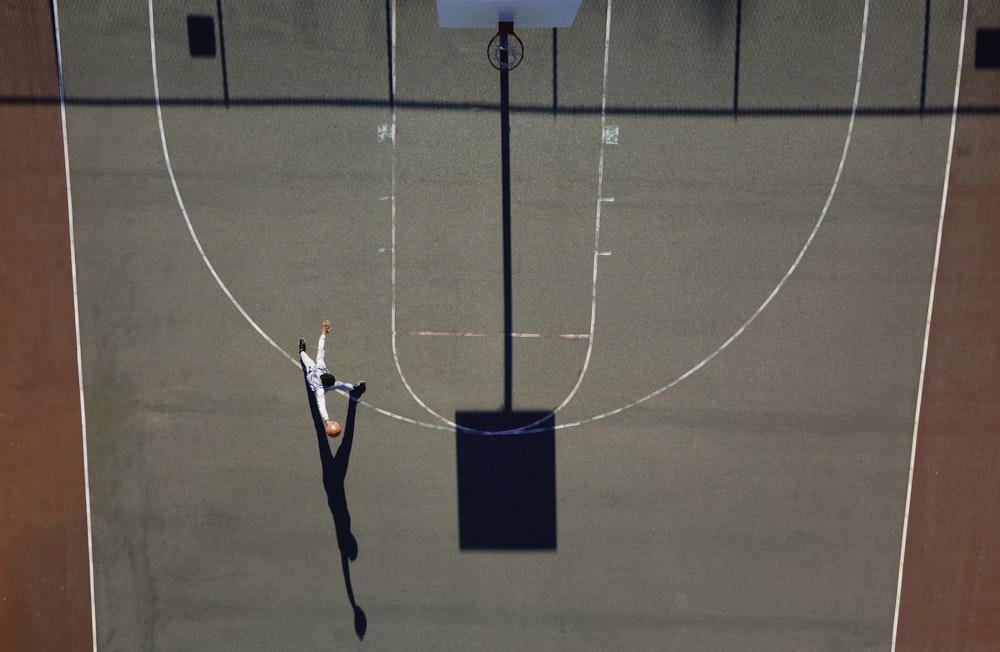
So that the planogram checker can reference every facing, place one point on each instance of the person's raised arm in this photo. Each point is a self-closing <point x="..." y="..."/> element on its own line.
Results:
<point x="321" y="346"/>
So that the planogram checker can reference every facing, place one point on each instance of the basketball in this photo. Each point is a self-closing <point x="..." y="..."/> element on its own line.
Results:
<point x="332" y="429"/>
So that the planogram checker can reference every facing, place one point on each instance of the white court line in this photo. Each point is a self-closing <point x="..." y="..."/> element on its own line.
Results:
<point x="927" y="326"/>
<point x="597" y="253"/>
<point x="597" y="219"/>
<point x="194" y="236"/>
<point x="447" y="424"/>
<point x="76" y="320"/>
<point x="180" y="201"/>
<point x="795" y="264"/>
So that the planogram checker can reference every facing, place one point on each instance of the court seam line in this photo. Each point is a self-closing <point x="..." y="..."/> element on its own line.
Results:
<point x="76" y="320"/>
<point x="927" y="326"/>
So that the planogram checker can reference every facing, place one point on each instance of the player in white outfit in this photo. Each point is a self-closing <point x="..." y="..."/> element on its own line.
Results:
<point x="321" y="381"/>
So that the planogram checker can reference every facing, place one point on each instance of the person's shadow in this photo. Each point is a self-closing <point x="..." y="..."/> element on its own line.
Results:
<point x="334" y="473"/>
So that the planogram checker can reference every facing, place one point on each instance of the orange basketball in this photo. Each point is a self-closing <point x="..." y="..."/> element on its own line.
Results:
<point x="333" y="429"/>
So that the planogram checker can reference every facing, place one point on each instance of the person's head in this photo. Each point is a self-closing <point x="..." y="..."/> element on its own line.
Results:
<point x="328" y="380"/>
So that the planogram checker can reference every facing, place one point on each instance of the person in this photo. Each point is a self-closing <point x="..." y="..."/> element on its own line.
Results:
<point x="321" y="381"/>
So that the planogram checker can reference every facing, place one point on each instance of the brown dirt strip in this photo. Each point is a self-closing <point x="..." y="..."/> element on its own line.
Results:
<point x="951" y="578"/>
<point x="44" y="559"/>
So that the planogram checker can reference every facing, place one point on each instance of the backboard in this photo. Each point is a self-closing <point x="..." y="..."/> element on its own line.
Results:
<point x="523" y="13"/>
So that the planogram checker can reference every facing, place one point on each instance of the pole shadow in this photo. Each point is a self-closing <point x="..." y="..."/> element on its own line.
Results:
<point x="334" y="473"/>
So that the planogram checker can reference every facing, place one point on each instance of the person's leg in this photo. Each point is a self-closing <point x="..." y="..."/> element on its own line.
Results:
<point x="307" y="362"/>
<point x="356" y="388"/>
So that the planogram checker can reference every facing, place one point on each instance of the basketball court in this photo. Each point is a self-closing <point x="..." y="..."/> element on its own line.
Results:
<point x="641" y="301"/>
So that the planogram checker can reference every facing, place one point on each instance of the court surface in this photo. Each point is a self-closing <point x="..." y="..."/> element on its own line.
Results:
<point x="718" y="286"/>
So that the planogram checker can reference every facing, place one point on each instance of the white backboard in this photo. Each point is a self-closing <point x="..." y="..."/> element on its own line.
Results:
<point x="523" y="13"/>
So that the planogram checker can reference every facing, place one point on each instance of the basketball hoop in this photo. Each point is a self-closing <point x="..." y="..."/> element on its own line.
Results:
<point x="505" y="50"/>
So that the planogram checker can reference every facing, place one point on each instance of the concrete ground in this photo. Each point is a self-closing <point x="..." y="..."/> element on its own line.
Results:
<point x="746" y="294"/>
